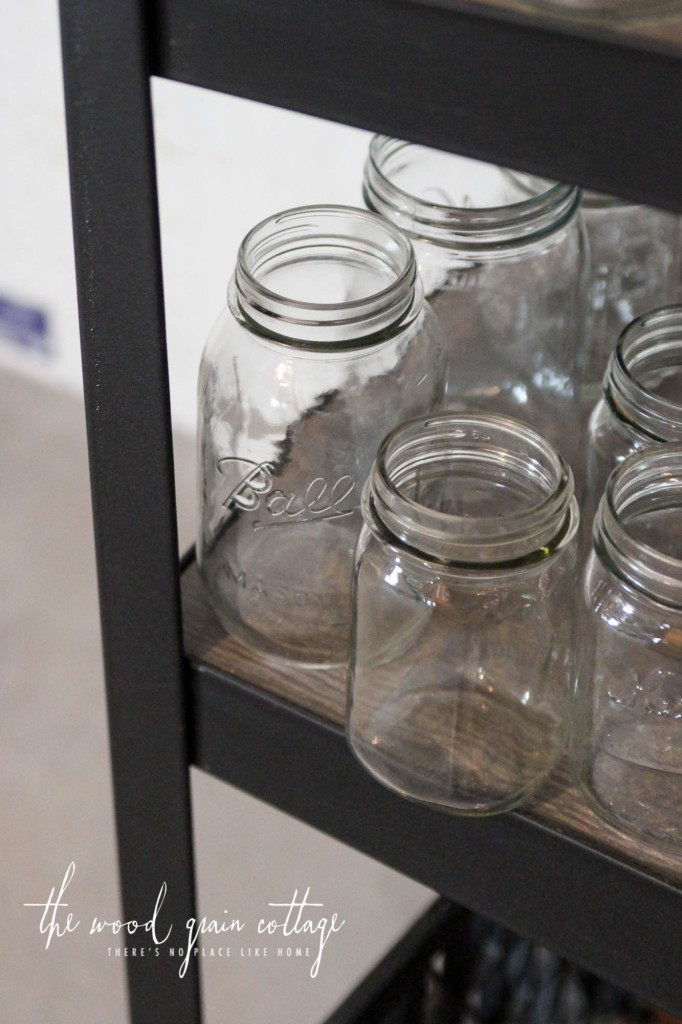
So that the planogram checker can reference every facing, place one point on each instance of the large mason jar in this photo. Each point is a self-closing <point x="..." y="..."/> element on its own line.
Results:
<point x="325" y="344"/>
<point x="641" y="404"/>
<point x="461" y="663"/>
<point x="626" y="744"/>
<point x="634" y="267"/>
<point x="501" y="257"/>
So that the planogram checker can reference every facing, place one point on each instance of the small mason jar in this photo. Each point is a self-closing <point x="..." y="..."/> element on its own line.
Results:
<point x="641" y="404"/>
<point x="461" y="663"/>
<point x="626" y="746"/>
<point x="501" y="257"/>
<point x="325" y="344"/>
<point x="634" y="267"/>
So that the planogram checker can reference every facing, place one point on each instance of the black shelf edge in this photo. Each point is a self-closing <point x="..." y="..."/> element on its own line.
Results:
<point x="594" y="109"/>
<point x="393" y="989"/>
<point x="607" y="917"/>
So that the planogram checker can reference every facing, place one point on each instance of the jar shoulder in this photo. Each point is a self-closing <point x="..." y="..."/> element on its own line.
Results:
<point x="568" y="243"/>
<point x="618" y="607"/>
<point x="406" y="365"/>
<point x="611" y="439"/>
<point x="386" y="562"/>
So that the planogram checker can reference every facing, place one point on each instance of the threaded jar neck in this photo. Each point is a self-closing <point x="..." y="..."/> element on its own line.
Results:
<point x="476" y="490"/>
<point x="326" y="276"/>
<point x="460" y="203"/>
<point x="638" y="526"/>
<point x="643" y="382"/>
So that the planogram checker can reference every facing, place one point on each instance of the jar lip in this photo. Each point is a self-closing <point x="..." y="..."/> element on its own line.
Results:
<point x="481" y="540"/>
<point x="659" y="418"/>
<point x="296" y="218"/>
<point x="537" y="215"/>
<point x="654" y="572"/>
<point x="321" y="236"/>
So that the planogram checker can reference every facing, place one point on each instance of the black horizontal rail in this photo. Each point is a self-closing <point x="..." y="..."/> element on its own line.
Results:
<point x="615" y="921"/>
<point x="591" y="108"/>
<point x="394" y="989"/>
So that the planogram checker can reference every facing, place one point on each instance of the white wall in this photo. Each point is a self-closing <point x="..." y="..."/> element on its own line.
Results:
<point x="224" y="164"/>
<point x="36" y="263"/>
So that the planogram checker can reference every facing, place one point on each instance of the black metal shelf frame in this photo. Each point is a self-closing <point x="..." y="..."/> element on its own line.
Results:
<point x="587" y="107"/>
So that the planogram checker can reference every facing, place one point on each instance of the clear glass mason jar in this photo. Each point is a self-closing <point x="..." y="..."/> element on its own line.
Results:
<point x="641" y="404"/>
<point x="326" y="343"/>
<point x="626" y="746"/>
<point x="634" y="267"/>
<point x="461" y="658"/>
<point x="501" y="257"/>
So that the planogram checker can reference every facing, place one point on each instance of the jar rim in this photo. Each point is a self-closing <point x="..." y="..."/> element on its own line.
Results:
<point x="645" y="474"/>
<point x="291" y="234"/>
<point x="496" y="441"/>
<point x="647" y="412"/>
<point x="511" y="224"/>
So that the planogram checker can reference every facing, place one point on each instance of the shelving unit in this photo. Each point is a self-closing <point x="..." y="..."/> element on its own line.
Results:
<point x="590" y="105"/>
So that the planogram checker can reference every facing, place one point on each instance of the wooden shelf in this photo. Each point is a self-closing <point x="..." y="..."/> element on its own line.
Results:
<point x="553" y="872"/>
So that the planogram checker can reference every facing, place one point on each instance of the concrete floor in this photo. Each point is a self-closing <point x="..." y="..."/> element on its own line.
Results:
<point x="56" y="801"/>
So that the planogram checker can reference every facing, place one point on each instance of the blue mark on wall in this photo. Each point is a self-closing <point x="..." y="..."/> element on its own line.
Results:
<point x="24" y="325"/>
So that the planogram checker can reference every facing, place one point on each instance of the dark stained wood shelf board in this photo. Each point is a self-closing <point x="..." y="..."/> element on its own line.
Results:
<point x="323" y="694"/>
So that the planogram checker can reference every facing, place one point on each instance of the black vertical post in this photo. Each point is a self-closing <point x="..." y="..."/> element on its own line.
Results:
<point x="120" y="293"/>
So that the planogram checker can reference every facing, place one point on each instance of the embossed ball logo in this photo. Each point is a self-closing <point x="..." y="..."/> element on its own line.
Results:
<point x="251" y="484"/>
<point x="248" y="482"/>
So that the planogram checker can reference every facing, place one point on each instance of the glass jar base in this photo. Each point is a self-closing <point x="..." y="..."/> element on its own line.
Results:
<point x="270" y="593"/>
<point x="310" y="655"/>
<point x="636" y="792"/>
<point x="458" y="748"/>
